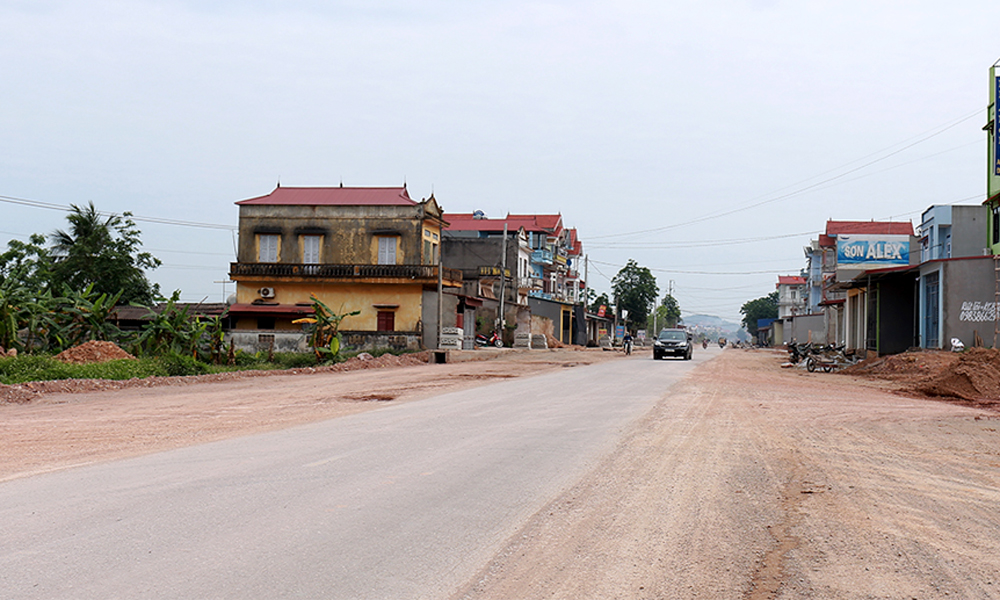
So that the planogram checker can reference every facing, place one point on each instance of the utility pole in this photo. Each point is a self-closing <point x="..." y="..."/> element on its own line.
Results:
<point x="440" y="307"/>
<point x="503" y="280"/>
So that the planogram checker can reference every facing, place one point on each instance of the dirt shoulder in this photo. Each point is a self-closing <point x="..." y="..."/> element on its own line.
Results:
<point x="45" y="426"/>
<point x="751" y="481"/>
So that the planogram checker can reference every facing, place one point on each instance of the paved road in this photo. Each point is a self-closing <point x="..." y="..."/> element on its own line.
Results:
<point x="404" y="502"/>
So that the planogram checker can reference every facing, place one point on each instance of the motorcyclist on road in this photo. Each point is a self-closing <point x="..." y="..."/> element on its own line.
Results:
<point x="627" y="343"/>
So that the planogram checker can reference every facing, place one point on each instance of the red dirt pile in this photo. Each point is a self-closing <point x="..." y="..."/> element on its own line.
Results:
<point x="908" y="366"/>
<point x="975" y="375"/>
<point x="92" y="352"/>
<point x="971" y="377"/>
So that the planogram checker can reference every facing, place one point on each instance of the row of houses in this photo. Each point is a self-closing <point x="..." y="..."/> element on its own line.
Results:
<point x="420" y="278"/>
<point x="882" y="287"/>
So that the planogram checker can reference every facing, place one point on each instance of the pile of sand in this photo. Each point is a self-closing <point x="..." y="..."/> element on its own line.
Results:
<point x="92" y="352"/>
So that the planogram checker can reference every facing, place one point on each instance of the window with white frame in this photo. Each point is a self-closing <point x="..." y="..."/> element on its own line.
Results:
<point x="268" y="247"/>
<point x="310" y="249"/>
<point x="387" y="250"/>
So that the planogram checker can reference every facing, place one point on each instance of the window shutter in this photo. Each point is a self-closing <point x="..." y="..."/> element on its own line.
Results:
<point x="310" y="249"/>
<point x="387" y="251"/>
<point x="268" y="248"/>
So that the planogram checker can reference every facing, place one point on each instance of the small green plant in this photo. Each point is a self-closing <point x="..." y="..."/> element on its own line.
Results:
<point x="323" y="336"/>
<point x="181" y="364"/>
<point x="24" y="368"/>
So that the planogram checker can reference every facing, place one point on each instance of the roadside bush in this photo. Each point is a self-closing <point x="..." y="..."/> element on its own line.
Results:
<point x="180" y="364"/>
<point x="24" y="368"/>
<point x="294" y="360"/>
<point x="118" y="369"/>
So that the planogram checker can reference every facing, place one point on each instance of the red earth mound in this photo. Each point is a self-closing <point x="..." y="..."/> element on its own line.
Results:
<point x="92" y="352"/>
<point x="975" y="375"/>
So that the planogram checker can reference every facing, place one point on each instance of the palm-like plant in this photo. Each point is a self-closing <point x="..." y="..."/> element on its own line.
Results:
<point x="103" y="251"/>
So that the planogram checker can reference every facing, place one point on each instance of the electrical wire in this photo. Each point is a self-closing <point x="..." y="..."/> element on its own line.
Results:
<point x="158" y="220"/>
<point x="920" y="140"/>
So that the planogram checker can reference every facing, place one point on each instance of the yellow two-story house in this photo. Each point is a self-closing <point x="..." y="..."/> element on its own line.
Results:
<point x="374" y="250"/>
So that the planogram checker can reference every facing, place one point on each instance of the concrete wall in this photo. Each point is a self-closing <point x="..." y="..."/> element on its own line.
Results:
<point x="567" y="323"/>
<point x="289" y="341"/>
<point x="969" y="230"/>
<point x="808" y="328"/>
<point x="968" y="300"/>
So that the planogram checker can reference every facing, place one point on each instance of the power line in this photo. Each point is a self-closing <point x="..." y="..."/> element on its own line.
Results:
<point x="700" y="244"/>
<point x="684" y="272"/>
<point x="158" y="220"/>
<point x="920" y="140"/>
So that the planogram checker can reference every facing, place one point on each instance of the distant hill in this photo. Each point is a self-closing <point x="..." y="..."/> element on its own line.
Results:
<point x="710" y="321"/>
<point x="713" y="323"/>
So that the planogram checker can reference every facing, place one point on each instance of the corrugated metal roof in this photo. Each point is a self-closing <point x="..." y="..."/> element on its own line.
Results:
<point x="335" y="196"/>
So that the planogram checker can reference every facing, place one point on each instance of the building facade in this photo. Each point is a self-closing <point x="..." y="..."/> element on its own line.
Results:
<point x="373" y="250"/>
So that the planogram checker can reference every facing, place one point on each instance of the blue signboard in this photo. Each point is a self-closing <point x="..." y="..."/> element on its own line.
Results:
<point x="873" y="251"/>
<point x="996" y="124"/>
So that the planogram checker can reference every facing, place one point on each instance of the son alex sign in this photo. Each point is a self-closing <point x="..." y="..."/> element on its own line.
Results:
<point x="872" y="252"/>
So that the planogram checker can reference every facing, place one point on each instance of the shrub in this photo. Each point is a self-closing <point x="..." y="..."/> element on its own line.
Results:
<point x="294" y="360"/>
<point x="25" y="368"/>
<point x="181" y="364"/>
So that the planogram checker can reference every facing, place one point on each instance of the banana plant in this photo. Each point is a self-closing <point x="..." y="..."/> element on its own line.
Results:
<point x="323" y="326"/>
<point x="83" y="317"/>
<point x="168" y="330"/>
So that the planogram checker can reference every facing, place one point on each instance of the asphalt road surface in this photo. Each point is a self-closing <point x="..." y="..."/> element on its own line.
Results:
<point x="408" y="501"/>
<point x="725" y="478"/>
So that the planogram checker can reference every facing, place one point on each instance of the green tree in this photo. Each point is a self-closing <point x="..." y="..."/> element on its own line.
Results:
<point x="599" y="301"/>
<point x="103" y="252"/>
<point x="636" y="291"/>
<point x="668" y="314"/>
<point x="765" y="307"/>
<point x="26" y="304"/>
<point x="28" y="263"/>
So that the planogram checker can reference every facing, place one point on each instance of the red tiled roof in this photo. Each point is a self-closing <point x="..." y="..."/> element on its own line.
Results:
<point x="550" y="223"/>
<point x="334" y="196"/>
<point x="791" y="280"/>
<point x="869" y="228"/>
<point x="468" y="222"/>
<point x="575" y="247"/>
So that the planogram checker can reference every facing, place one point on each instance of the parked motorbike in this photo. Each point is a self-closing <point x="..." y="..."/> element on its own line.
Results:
<point x="704" y="344"/>
<point x="492" y="340"/>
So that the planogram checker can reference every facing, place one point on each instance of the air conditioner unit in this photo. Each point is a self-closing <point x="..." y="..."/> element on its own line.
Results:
<point x="267" y="292"/>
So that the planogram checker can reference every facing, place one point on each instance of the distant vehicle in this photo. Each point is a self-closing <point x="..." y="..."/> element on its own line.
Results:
<point x="673" y="342"/>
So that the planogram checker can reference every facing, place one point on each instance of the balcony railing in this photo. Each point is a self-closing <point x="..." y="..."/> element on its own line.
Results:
<point x="417" y="272"/>
<point x="542" y="256"/>
<point x="493" y="271"/>
<point x="529" y="283"/>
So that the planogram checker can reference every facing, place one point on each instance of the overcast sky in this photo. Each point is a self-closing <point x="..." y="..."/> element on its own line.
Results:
<point x="708" y="140"/>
